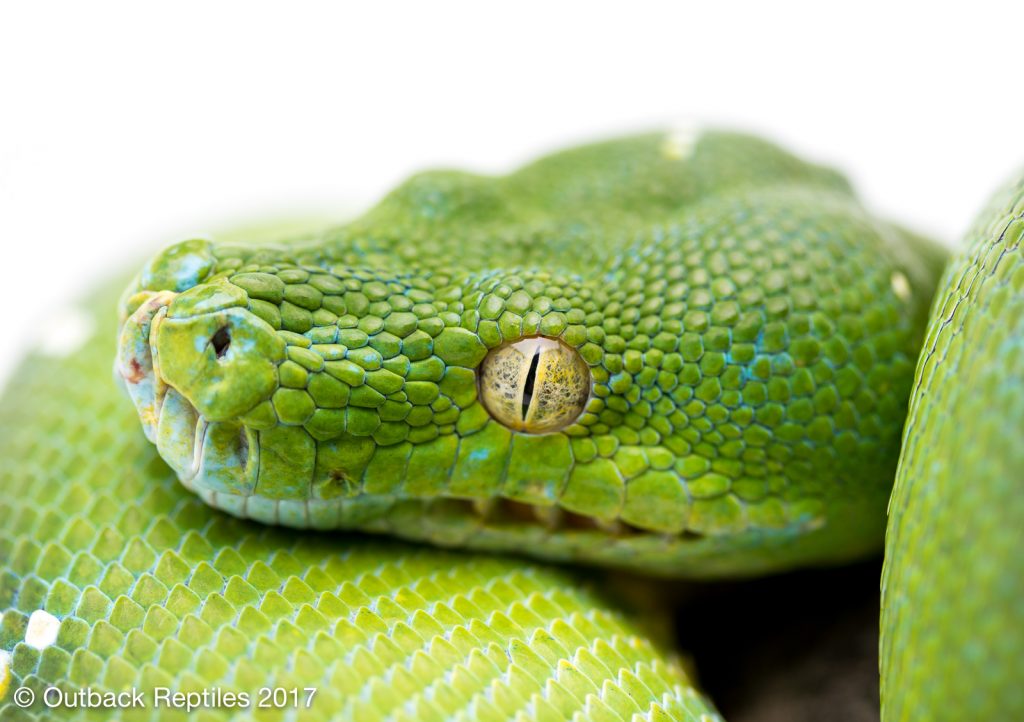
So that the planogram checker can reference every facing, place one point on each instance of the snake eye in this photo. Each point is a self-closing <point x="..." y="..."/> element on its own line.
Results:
<point x="537" y="385"/>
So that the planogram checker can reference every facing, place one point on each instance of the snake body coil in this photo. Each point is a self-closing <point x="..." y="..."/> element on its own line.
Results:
<point x="952" y="616"/>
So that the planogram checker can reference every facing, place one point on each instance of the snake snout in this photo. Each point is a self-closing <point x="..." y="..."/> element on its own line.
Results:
<point x="194" y="363"/>
<point x="220" y="365"/>
<point x="142" y="308"/>
<point x="221" y="357"/>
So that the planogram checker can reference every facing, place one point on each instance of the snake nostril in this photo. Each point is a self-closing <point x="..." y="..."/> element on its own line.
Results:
<point x="221" y="341"/>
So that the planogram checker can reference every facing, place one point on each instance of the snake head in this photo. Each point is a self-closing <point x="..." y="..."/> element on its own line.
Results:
<point x="194" y="361"/>
<point x="246" y="401"/>
<point x="697" y="362"/>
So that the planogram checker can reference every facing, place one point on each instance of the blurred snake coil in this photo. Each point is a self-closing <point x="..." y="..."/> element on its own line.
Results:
<point x="684" y="355"/>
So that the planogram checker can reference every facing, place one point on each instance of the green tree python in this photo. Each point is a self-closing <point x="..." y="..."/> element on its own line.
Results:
<point x="686" y="357"/>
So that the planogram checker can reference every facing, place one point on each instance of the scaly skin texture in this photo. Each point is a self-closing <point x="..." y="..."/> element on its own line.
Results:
<point x="750" y="334"/>
<point x="952" y="616"/>
<point x="152" y="588"/>
<point x="782" y="311"/>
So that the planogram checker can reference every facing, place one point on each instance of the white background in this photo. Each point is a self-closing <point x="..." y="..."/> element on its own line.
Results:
<point x="123" y="126"/>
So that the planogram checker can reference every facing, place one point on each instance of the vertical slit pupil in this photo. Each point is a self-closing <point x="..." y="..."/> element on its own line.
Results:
<point x="531" y="378"/>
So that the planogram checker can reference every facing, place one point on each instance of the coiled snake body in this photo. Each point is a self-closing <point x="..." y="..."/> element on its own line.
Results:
<point x="689" y="357"/>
